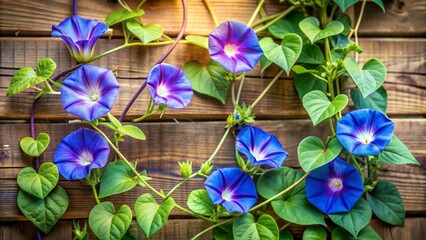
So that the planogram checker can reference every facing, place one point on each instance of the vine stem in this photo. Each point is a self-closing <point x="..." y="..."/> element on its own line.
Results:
<point x="211" y="12"/>
<point x="358" y="23"/>
<point x="266" y="89"/>
<point x="228" y="129"/>
<point x="278" y="17"/>
<point x="180" y="184"/>
<point x="240" y="88"/>
<point x="95" y="193"/>
<point x="256" y="11"/>
<point x="211" y="228"/>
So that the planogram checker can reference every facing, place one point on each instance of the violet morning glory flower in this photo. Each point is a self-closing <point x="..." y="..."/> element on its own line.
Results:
<point x="235" y="46"/>
<point x="79" y="152"/>
<point x="80" y="35"/>
<point x="334" y="187"/>
<point x="231" y="188"/>
<point x="364" y="132"/>
<point x="169" y="85"/>
<point x="89" y="92"/>
<point x="260" y="147"/>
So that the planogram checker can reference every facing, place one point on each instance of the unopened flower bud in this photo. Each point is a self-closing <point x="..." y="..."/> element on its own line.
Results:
<point x="206" y="168"/>
<point x="185" y="169"/>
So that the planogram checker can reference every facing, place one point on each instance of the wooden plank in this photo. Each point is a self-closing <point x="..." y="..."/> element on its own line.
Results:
<point x="27" y="231"/>
<point x="406" y="82"/>
<point x="171" y="142"/>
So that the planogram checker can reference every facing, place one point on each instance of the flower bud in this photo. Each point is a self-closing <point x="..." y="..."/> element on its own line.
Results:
<point x="206" y="168"/>
<point x="185" y="169"/>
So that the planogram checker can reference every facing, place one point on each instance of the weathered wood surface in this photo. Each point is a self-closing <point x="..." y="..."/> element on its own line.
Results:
<point x="404" y="58"/>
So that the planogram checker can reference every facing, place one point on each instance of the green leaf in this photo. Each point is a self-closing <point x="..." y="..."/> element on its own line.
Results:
<point x="44" y="213"/>
<point x="345" y="19"/>
<point x="35" y="147"/>
<point x="354" y="220"/>
<point x="313" y="154"/>
<point x="366" y="233"/>
<point x="118" y="16"/>
<point x="397" y="153"/>
<point x="315" y="233"/>
<point x="377" y="100"/>
<point x="199" y="202"/>
<point x="305" y="83"/>
<point x="310" y="26"/>
<point x="386" y="203"/>
<point x="150" y="216"/>
<point x="147" y="33"/>
<point x="209" y="80"/>
<point x="380" y="4"/>
<point x="299" y="69"/>
<point x="108" y="224"/>
<point x="369" y="78"/>
<point x="293" y="205"/>
<point x="319" y="106"/>
<point x="264" y="63"/>
<point x="114" y="121"/>
<point x="23" y="79"/>
<point x="132" y="131"/>
<point x="311" y="54"/>
<point x="284" y="55"/>
<point x="116" y="178"/>
<point x="200" y="41"/>
<point x="344" y="4"/>
<point x="289" y="24"/>
<point x="45" y="67"/>
<point x="38" y="184"/>
<point x="286" y="235"/>
<point x="245" y="228"/>
<point x="223" y="232"/>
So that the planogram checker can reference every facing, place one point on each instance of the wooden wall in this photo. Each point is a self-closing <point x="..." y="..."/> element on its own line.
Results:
<point x="395" y="37"/>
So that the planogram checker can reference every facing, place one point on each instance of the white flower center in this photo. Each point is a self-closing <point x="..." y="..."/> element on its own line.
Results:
<point x="365" y="137"/>
<point x="227" y="195"/>
<point x="94" y="97"/>
<point x="162" y="91"/>
<point x="230" y="50"/>
<point x="335" y="184"/>
<point x="86" y="158"/>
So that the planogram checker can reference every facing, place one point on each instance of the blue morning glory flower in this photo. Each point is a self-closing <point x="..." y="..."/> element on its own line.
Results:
<point x="231" y="188"/>
<point x="89" y="92"/>
<point x="235" y="46"/>
<point x="80" y="35"/>
<point x="364" y="132"/>
<point x="260" y="147"/>
<point x="169" y="85"/>
<point x="334" y="187"/>
<point x="79" y="152"/>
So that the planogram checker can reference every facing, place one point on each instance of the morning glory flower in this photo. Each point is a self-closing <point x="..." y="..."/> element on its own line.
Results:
<point x="80" y="35"/>
<point x="231" y="188"/>
<point x="235" y="46"/>
<point x="260" y="147"/>
<point x="89" y="92"/>
<point x="364" y="132"/>
<point x="79" y="152"/>
<point x="169" y="85"/>
<point x="334" y="187"/>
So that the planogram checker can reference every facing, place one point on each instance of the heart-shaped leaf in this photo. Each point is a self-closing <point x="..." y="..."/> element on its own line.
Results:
<point x="38" y="184"/>
<point x="44" y="213"/>
<point x="118" y="16"/>
<point x="315" y="233"/>
<point x="319" y="106"/>
<point x="116" y="178"/>
<point x="245" y="228"/>
<point x="147" y="33"/>
<point x="35" y="147"/>
<point x="354" y="220"/>
<point x="397" y="153"/>
<point x="377" y="100"/>
<point x="200" y="202"/>
<point x="311" y="54"/>
<point x="223" y="232"/>
<point x="386" y="203"/>
<point x="344" y="4"/>
<point x="201" y="41"/>
<point x="23" y="79"/>
<point x="107" y="224"/>
<point x="313" y="154"/>
<point x="366" y="233"/>
<point x="289" y="24"/>
<point x="369" y="78"/>
<point x="209" y="80"/>
<point x="132" y="131"/>
<point x="310" y="27"/>
<point x="306" y="83"/>
<point x="284" y="55"/>
<point x="45" y="67"/>
<point x="150" y="216"/>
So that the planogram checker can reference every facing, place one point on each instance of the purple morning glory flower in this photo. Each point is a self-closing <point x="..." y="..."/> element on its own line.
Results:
<point x="231" y="188"/>
<point x="169" y="85"/>
<point x="80" y="35"/>
<point x="334" y="187"/>
<point x="260" y="147"/>
<point x="89" y="92"/>
<point x="235" y="46"/>
<point x="364" y="132"/>
<point x="79" y="152"/>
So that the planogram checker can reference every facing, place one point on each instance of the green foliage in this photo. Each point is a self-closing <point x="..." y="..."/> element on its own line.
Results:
<point x="38" y="184"/>
<point x="344" y="4"/>
<point x="150" y="216"/>
<point x="224" y="232"/>
<point x="319" y="107"/>
<point x="366" y="233"/>
<point x="306" y="83"/>
<point x="315" y="233"/>
<point x="132" y="131"/>
<point x="397" y="153"/>
<point x="43" y="212"/>
<point x="35" y="147"/>
<point x="289" y="24"/>
<point x="284" y="55"/>
<point x="369" y="78"/>
<point x="199" y="202"/>
<point x="108" y="224"/>
<point x="245" y="228"/>
<point x="286" y="235"/>
<point x="292" y="206"/>
<point x="310" y="26"/>
<point x="119" y="16"/>
<point x="45" y="68"/>
<point x="345" y="19"/>
<point x="209" y="80"/>
<point x="380" y="4"/>
<point x="354" y="220"/>
<point x="116" y="178"/>
<point x="146" y="33"/>
<point x="377" y="100"/>
<point x="312" y="54"/>
<point x="200" y="41"/>
<point x="386" y="203"/>
<point x="313" y="154"/>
